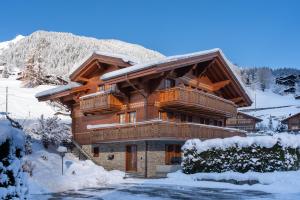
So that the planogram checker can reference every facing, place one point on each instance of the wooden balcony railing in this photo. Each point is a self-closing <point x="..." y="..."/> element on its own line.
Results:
<point x="194" y="100"/>
<point x="102" y="102"/>
<point x="162" y="130"/>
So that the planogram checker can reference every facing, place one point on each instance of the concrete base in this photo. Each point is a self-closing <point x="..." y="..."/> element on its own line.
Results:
<point x="163" y="170"/>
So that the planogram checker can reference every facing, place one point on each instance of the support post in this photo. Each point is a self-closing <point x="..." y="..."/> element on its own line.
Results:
<point x="146" y="158"/>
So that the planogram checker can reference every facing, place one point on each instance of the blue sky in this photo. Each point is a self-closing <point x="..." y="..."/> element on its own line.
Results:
<point x="251" y="33"/>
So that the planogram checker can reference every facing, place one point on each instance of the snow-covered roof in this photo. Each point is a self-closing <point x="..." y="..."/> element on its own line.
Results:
<point x="79" y="64"/>
<point x="291" y="116"/>
<point x="140" y="67"/>
<point x="58" y="89"/>
<point x="251" y="116"/>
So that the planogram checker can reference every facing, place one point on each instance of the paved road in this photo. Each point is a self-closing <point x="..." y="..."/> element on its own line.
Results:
<point x="161" y="192"/>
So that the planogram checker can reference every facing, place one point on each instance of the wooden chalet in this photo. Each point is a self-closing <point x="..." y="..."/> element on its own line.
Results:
<point x="135" y="117"/>
<point x="243" y="121"/>
<point x="293" y="122"/>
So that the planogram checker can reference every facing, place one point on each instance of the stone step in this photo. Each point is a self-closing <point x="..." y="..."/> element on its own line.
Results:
<point x="133" y="175"/>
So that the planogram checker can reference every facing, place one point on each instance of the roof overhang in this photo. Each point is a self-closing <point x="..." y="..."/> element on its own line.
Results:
<point x="251" y="116"/>
<point x="174" y="62"/>
<point x="99" y="57"/>
<point x="290" y="117"/>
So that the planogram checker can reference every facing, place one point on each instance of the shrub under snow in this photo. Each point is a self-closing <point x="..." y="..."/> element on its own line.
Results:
<point x="242" y="154"/>
<point x="52" y="131"/>
<point x="12" y="178"/>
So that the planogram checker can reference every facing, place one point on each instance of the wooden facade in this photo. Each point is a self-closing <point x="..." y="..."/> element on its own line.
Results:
<point x="244" y="122"/>
<point x="293" y="122"/>
<point x="173" y="100"/>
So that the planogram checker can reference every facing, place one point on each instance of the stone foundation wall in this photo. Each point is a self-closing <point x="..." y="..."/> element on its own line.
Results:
<point x="155" y="155"/>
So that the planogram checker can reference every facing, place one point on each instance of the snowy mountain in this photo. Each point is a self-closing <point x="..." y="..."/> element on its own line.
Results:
<point x="8" y="44"/>
<point x="56" y="53"/>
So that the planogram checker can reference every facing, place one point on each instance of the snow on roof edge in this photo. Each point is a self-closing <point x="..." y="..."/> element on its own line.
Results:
<point x="123" y="57"/>
<point x="231" y="67"/>
<point x="58" y="89"/>
<point x="142" y="66"/>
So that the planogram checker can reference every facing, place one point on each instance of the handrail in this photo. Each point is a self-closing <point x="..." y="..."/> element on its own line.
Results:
<point x="153" y="130"/>
<point x="200" y="92"/>
<point x="195" y="98"/>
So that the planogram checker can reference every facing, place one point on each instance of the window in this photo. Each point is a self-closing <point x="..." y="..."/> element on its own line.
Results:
<point x="206" y="121"/>
<point x="96" y="151"/>
<point x="101" y="88"/>
<point x="201" y="121"/>
<point x="215" y="123"/>
<point x="190" y="118"/>
<point x="160" y="115"/>
<point x="220" y="123"/>
<point x="122" y="118"/>
<point x="173" y="154"/>
<point x="169" y="83"/>
<point x="132" y="117"/>
<point x="183" y="118"/>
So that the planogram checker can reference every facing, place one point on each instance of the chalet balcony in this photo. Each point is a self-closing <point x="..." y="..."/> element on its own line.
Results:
<point x="100" y="103"/>
<point x="196" y="101"/>
<point x="154" y="130"/>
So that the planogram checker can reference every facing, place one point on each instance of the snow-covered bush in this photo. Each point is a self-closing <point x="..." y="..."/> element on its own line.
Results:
<point x="242" y="154"/>
<point x="52" y="131"/>
<point x="28" y="167"/>
<point x="281" y="127"/>
<point x="13" y="183"/>
<point x="28" y="145"/>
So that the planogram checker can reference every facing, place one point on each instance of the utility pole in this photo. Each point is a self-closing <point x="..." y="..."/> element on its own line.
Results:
<point x="6" y="101"/>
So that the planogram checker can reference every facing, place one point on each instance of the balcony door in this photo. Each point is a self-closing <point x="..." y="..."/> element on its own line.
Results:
<point x="131" y="158"/>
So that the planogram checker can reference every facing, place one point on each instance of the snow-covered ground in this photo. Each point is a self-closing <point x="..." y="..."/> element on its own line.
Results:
<point x="268" y="99"/>
<point x="47" y="173"/>
<point x="275" y="182"/>
<point x="22" y="103"/>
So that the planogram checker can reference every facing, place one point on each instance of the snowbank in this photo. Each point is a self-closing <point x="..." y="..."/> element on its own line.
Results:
<point x="47" y="175"/>
<point x="275" y="182"/>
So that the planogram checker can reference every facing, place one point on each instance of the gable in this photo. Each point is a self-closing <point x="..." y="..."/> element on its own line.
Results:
<point x="96" y="64"/>
<point x="212" y="70"/>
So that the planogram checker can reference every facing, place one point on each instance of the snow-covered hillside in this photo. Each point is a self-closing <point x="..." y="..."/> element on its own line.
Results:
<point x="268" y="103"/>
<point x="22" y="103"/>
<point x="56" y="53"/>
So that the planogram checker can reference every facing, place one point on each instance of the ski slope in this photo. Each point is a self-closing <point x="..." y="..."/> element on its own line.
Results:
<point x="22" y="103"/>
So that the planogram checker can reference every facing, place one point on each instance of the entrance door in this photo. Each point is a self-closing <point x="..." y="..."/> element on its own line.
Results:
<point x="131" y="158"/>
